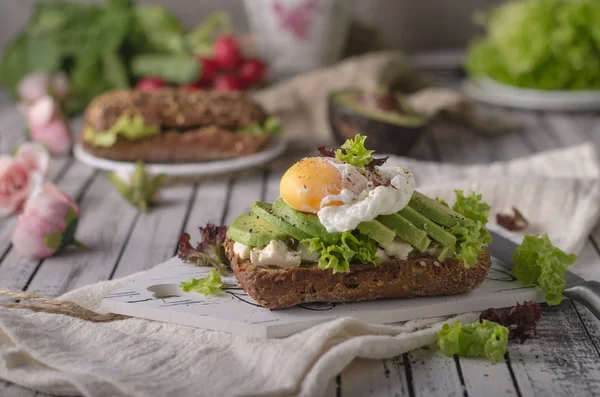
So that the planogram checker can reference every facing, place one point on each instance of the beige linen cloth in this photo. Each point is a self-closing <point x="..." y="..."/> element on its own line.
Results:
<point x="557" y="191"/>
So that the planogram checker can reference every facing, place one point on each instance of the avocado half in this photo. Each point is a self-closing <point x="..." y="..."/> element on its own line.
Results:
<point x="392" y="127"/>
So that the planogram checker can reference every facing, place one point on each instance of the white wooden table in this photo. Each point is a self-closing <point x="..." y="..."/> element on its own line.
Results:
<point x="563" y="361"/>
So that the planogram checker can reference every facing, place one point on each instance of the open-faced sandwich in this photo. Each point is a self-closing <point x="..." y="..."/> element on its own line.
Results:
<point x="172" y="125"/>
<point x="348" y="228"/>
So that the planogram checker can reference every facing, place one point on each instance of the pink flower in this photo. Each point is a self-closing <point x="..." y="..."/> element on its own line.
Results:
<point x="47" y="125"/>
<point x="47" y="225"/>
<point x="20" y="175"/>
<point x="39" y="84"/>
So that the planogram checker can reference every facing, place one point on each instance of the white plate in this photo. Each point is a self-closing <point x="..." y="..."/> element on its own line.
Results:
<point x="273" y="150"/>
<point x="492" y="92"/>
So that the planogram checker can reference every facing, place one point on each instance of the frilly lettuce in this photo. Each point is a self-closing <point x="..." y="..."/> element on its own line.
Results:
<point x="207" y="285"/>
<point x="471" y="206"/>
<point x="471" y="235"/>
<point x="537" y="261"/>
<point x="541" y="44"/>
<point x="353" y="152"/>
<point x="481" y="338"/>
<point x="339" y="255"/>
<point x="130" y="127"/>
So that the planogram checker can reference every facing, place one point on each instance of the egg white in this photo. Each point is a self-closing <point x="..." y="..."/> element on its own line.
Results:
<point x="362" y="201"/>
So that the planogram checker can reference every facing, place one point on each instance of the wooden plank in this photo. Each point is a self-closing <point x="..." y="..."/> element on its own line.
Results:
<point x="243" y="193"/>
<point x="16" y="271"/>
<point x="561" y="361"/>
<point x="155" y="234"/>
<point x="376" y="378"/>
<point x="566" y="130"/>
<point x="434" y="374"/>
<point x="208" y="205"/>
<point x="12" y="127"/>
<point x="272" y="186"/>
<point x="105" y="225"/>
<point x="458" y="144"/>
<point x="483" y="377"/>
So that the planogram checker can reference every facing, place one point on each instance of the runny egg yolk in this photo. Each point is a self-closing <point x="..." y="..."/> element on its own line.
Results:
<point x="305" y="184"/>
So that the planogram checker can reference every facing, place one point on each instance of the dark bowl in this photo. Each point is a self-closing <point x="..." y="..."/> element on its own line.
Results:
<point x="383" y="136"/>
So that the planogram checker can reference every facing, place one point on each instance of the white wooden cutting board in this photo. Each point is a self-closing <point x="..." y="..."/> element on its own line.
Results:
<point x="156" y="296"/>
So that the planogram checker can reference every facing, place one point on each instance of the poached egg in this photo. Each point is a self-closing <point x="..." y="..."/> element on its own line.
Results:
<point x="340" y="195"/>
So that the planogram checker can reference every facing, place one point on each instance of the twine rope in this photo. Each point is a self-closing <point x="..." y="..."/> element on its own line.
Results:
<point x="38" y="303"/>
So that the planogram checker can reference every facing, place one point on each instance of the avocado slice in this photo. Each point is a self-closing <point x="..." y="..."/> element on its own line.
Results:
<point x="434" y="210"/>
<point x="377" y="231"/>
<point x="434" y="231"/>
<point x="308" y="223"/>
<point x="252" y="230"/>
<point x="406" y="231"/>
<point x="391" y="129"/>
<point x="379" y="106"/>
<point x="265" y="211"/>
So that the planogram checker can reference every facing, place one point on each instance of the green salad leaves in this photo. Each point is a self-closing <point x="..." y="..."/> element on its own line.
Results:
<point x="339" y="255"/>
<point x="208" y="285"/>
<point x="353" y="152"/>
<point x="481" y="338"/>
<point x="471" y="234"/>
<point x="537" y="261"/>
<point x="540" y="44"/>
<point x="130" y="127"/>
<point x="271" y="125"/>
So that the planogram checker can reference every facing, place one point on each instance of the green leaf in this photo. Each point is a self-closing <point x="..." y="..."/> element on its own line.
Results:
<point x="339" y="255"/>
<point x="208" y="285"/>
<point x="154" y="186"/>
<point x="53" y="240"/>
<point x="122" y="187"/>
<point x="271" y="125"/>
<point x="537" y="261"/>
<point x="115" y="71"/>
<point x="353" y="152"/>
<point x="158" y="30"/>
<point x="172" y="68"/>
<point x="471" y="207"/>
<point x="481" y="338"/>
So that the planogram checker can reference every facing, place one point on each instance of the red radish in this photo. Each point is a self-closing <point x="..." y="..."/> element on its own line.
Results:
<point x="149" y="84"/>
<point x="252" y="70"/>
<point x="227" y="83"/>
<point x="209" y="69"/>
<point x="226" y="52"/>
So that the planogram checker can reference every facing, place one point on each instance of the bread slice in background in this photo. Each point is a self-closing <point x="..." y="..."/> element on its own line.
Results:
<point x="395" y="278"/>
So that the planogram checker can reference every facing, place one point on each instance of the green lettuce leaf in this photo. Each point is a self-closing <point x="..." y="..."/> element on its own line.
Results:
<point x="541" y="44"/>
<point x="271" y="125"/>
<point x="481" y="338"/>
<point x="471" y="206"/>
<point x="353" y="152"/>
<point x="130" y="127"/>
<point x="339" y="255"/>
<point x="537" y="261"/>
<point x="208" y="285"/>
<point x="471" y="234"/>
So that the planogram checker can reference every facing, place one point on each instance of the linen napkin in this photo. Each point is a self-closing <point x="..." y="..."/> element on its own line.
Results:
<point x="557" y="191"/>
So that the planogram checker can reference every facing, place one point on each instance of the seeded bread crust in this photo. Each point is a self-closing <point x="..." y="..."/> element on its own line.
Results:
<point x="202" y="144"/>
<point x="395" y="278"/>
<point x="174" y="108"/>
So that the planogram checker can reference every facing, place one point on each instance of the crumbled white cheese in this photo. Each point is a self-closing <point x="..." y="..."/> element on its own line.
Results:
<point x="399" y="249"/>
<point x="276" y="253"/>
<point x="381" y="255"/>
<point x="241" y="250"/>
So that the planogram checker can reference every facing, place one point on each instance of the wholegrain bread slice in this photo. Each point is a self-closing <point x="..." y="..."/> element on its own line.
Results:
<point x="174" y="108"/>
<point x="276" y="288"/>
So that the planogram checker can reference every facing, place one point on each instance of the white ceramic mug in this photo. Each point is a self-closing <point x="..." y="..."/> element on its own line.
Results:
<point x="296" y="36"/>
